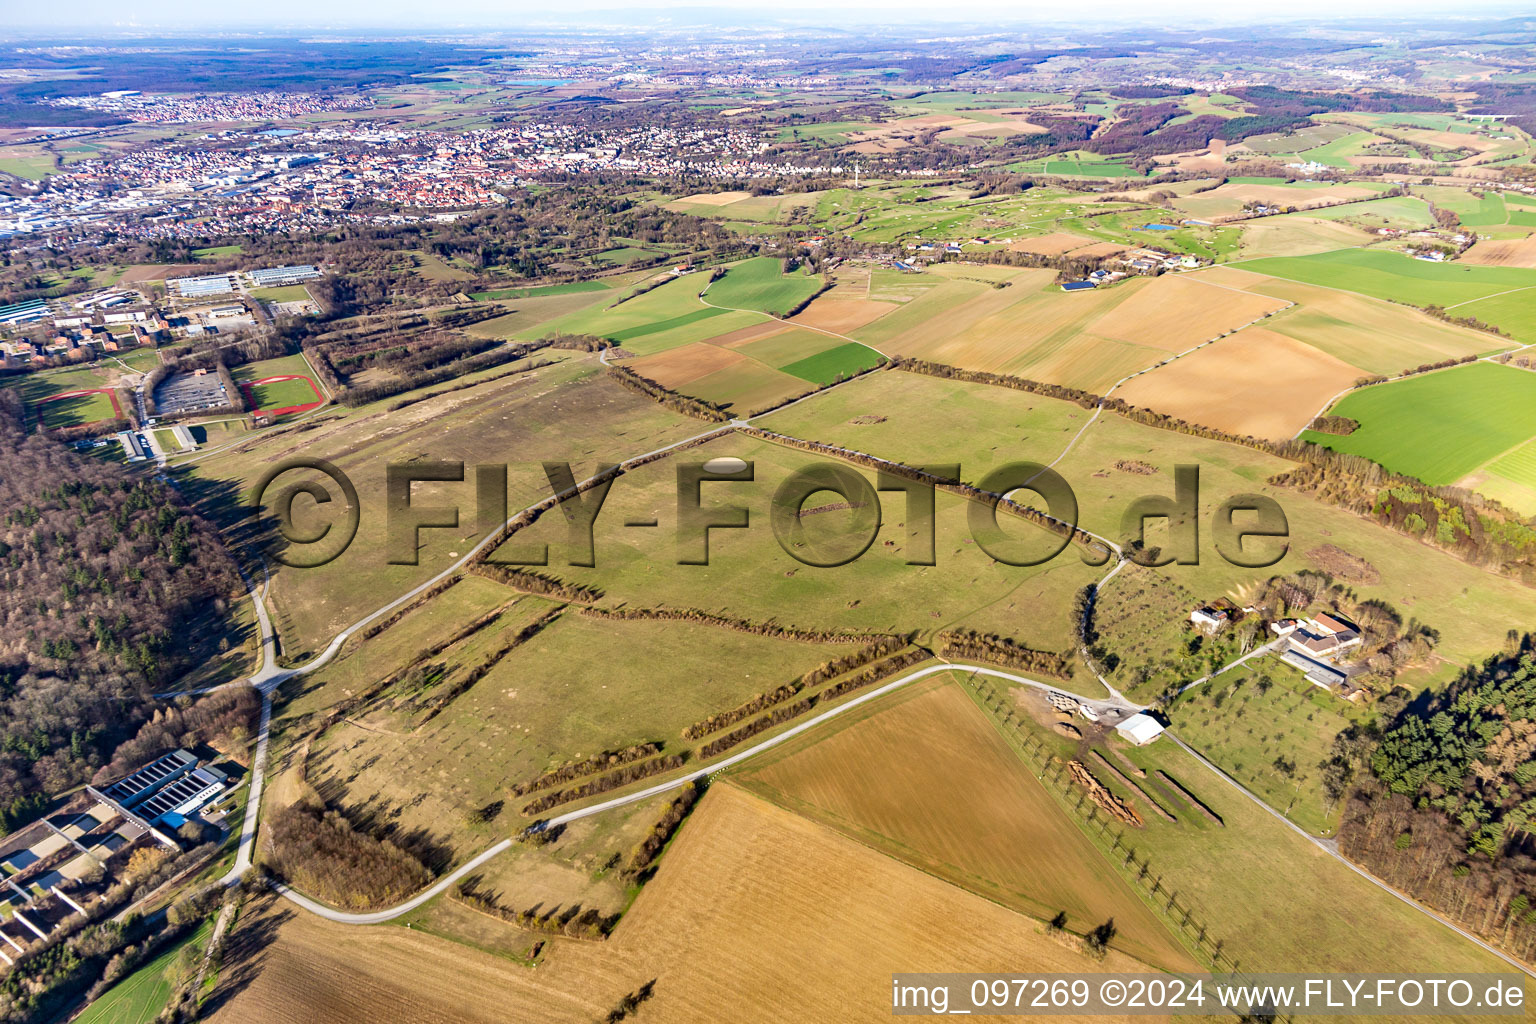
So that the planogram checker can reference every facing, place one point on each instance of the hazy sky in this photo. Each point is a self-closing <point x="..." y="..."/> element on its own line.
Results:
<point x="94" y="16"/>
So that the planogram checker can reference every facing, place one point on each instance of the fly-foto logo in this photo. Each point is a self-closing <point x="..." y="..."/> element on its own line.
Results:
<point x="315" y="525"/>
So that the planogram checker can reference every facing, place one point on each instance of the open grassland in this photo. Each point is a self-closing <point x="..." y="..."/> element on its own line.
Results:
<point x="926" y="779"/>
<point x="1397" y="277"/>
<point x="1269" y="728"/>
<point x="1245" y="877"/>
<point x="568" y="411"/>
<point x="580" y="686"/>
<point x="755" y="908"/>
<point x="531" y="317"/>
<point x="1256" y="382"/>
<point x="750" y="576"/>
<point x="1440" y="426"/>
<point x="1296" y="234"/>
<point x="923" y="420"/>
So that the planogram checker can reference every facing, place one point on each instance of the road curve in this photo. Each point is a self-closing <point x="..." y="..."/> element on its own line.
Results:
<point x="442" y="884"/>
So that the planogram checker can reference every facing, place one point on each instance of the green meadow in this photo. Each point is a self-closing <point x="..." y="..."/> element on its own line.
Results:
<point x="1439" y="426"/>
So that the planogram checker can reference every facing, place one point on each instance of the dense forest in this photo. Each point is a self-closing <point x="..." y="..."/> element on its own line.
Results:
<point x="1447" y="811"/>
<point x="109" y="588"/>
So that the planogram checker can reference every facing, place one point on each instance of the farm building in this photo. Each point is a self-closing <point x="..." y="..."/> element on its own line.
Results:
<point x="1317" y="673"/>
<point x="1140" y="729"/>
<point x="271" y="277"/>
<point x="191" y="287"/>
<point x="1208" y="619"/>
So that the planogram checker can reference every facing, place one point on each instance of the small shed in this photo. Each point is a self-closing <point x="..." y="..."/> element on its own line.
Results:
<point x="1140" y="729"/>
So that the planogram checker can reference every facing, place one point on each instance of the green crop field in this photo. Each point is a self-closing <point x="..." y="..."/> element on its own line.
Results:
<point x="1439" y="426"/>
<point x="672" y="323"/>
<point x="840" y="361"/>
<point x="537" y="291"/>
<point x="759" y="284"/>
<point x="1514" y="312"/>
<point x="139" y="998"/>
<point x="1397" y="277"/>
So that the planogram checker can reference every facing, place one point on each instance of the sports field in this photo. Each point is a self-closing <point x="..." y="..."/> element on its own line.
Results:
<point x="1440" y="426"/>
<point x="76" y="408"/>
<point x="283" y="394"/>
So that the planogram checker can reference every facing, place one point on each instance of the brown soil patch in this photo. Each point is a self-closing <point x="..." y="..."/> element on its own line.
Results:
<point x="1340" y="564"/>
<point x="1256" y="382"/>
<point x="1069" y="731"/>
<point x="141" y="272"/>
<point x="1176" y="312"/>
<point x="1100" y="249"/>
<point x="744" y="335"/>
<point x="840" y="314"/>
<point x="679" y="366"/>
<point x="1503" y="252"/>
<point x="715" y="198"/>
<point x="1053" y="244"/>
<point x="1101" y="796"/>
<point x="754" y="908"/>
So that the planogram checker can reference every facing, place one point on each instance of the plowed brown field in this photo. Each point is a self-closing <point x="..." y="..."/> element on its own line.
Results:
<point x="1256" y="382"/>
<point x="757" y="915"/>
<point x="929" y="780"/>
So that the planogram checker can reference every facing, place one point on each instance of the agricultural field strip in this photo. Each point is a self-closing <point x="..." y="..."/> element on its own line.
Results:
<point x="1495" y="295"/>
<point x="443" y="883"/>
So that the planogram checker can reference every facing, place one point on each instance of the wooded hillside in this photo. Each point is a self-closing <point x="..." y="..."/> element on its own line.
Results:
<point x="109" y="588"/>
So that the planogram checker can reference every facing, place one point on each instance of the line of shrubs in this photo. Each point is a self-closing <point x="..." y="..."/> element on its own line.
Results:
<point x="1001" y="650"/>
<point x="623" y="777"/>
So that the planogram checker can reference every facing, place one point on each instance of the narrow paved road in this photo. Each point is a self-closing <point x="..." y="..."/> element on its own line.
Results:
<point x="1106" y="708"/>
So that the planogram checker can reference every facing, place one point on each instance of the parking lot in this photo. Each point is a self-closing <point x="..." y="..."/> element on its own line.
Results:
<point x="184" y="392"/>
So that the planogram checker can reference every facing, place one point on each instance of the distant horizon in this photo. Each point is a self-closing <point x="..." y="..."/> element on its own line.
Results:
<point x="92" y="19"/>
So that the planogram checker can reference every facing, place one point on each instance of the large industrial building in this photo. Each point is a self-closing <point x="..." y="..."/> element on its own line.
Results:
<point x="272" y="277"/>
<point x="167" y="790"/>
<point x="197" y="287"/>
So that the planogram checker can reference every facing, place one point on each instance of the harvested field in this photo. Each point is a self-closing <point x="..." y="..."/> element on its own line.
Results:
<point x="747" y="335"/>
<point x="754" y="908"/>
<point x="926" y="778"/>
<point x="678" y="366"/>
<point x="1174" y="313"/>
<point x="715" y="198"/>
<point x="1053" y="244"/>
<point x="1099" y="250"/>
<point x="1377" y="336"/>
<point x="1503" y="252"/>
<point x="841" y="314"/>
<point x="1256" y="382"/>
<point x="142" y="272"/>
